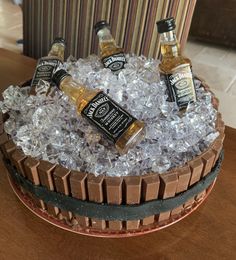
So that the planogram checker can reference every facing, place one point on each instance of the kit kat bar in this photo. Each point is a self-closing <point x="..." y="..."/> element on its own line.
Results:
<point x="221" y="137"/>
<point x="196" y="167"/>
<point x="150" y="190"/>
<point x="60" y="176"/>
<point x="61" y="181"/>
<point x="184" y="175"/>
<point x="45" y="169"/>
<point x="18" y="158"/>
<point x="95" y="194"/>
<point x="30" y="166"/>
<point x="8" y="148"/>
<point x="216" y="148"/>
<point x="1" y="128"/>
<point x="31" y="172"/>
<point x="208" y="159"/>
<point x="114" y="196"/>
<point x="168" y="186"/>
<point x="220" y="126"/>
<point x="132" y="196"/>
<point x="1" y="124"/>
<point x="3" y="138"/>
<point x="78" y="181"/>
<point x="215" y="102"/>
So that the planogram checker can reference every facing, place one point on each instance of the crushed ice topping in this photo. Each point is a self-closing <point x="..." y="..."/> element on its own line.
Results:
<point x="46" y="126"/>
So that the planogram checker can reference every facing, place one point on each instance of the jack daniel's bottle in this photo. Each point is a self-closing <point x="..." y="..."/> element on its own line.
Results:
<point x="46" y="65"/>
<point x="124" y="130"/>
<point x="175" y="68"/>
<point x="112" y="56"/>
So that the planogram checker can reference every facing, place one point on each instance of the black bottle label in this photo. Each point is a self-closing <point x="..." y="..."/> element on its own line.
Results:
<point x="44" y="70"/>
<point x="180" y="86"/>
<point x="108" y="116"/>
<point x="115" y="62"/>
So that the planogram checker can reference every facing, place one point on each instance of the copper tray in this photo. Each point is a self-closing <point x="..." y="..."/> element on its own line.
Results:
<point x="97" y="233"/>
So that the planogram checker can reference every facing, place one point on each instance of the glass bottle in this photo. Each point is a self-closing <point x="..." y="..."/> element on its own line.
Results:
<point x="112" y="56"/>
<point x="175" y="68"/>
<point x="124" y="130"/>
<point x="46" y="65"/>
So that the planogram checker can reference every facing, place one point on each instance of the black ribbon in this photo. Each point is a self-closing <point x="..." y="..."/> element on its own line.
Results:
<point x="114" y="212"/>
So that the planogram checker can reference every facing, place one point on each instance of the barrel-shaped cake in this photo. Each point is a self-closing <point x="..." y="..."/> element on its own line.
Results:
<point x="109" y="205"/>
<point x="102" y="191"/>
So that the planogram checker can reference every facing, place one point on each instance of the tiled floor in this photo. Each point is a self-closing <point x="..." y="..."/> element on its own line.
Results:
<point x="216" y="65"/>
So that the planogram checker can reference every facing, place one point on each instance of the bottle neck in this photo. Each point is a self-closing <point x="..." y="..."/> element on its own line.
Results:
<point x="169" y="45"/>
<point x="106" y="41"/>
<point x="71" y="88"/>
<point x="57" y="50"/>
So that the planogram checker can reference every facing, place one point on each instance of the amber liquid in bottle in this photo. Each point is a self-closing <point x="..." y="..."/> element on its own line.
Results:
<point x="176" y="71"/>
<point x="46" y="65"/>
<point x="108" y="48"/>
<point x="112" y="56"/>
<point x="82" y="96"/>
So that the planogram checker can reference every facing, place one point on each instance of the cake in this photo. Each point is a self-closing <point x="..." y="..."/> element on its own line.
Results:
<point x="104" y="205"/>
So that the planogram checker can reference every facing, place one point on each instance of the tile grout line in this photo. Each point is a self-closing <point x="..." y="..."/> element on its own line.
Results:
<point x="230" y="84"/>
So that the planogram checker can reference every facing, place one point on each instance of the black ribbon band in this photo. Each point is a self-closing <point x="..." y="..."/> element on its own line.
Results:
<point x="115" y="212"/>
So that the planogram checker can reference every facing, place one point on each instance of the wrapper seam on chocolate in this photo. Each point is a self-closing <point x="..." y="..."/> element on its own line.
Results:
<point x="114" y="190"/>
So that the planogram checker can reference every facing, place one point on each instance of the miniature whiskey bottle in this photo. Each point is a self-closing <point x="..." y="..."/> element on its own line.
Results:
<point x="124" y="130"/>
<point x="112" y="56"/>
<point x="175" y="68"/>
<point x="46" y="65"/>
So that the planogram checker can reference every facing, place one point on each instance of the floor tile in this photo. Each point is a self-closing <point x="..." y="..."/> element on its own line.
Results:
<point x="217" y="77"/>
<point x="211" y="55"/>
<point x="217" y="66"/>
<point x="232" y="88"/>
<point x="193" y="48"/>
<point x="227" y="107"/>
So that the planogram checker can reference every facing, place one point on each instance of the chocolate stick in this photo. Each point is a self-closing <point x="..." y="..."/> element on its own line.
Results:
<point x="184" y="175"/>
<point x="8" y="148"/>
<point x="78" y="190"/>
<point x="196" y="167"/>
<point x="150" y="190"/>
<point x="30" y="168"/>
<point x="17" y="159"/>
<point x="208" y="159"/>
<point x="3" y="138"/>
<point x="114" y="196"/>
<point x="168" y="186"/>
<point x="95" y="193"/>
<point x="132" y="196"/>
<point x="60" y="177"/>
<point x="45" y="169"/>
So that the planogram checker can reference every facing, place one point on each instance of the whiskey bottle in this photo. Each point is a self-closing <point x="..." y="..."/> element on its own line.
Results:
<point x="175" y="69"/>
<point x="124" y="130"/>
<point x="112" y="56"/>
<point x="46" y="65"/>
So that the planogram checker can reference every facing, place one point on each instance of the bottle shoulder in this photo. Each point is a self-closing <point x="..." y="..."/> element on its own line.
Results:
<point x="167" y="65"/>
<point x="111" y="51"/>
<point x="48" y="58"/>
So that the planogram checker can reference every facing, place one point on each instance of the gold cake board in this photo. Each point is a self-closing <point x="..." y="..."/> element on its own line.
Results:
<point x="100" y="233"/>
